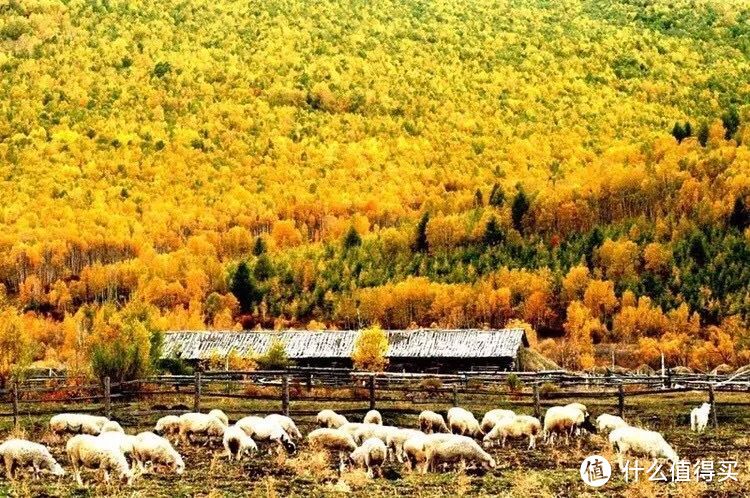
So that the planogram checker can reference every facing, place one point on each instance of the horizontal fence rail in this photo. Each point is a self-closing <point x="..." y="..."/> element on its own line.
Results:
<point x="296" y="391"/>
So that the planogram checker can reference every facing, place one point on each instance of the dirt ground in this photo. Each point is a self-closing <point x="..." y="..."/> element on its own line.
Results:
<point x="521" y="473"/>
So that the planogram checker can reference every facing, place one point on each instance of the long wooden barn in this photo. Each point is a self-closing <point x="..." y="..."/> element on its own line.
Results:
<point x="420" y="350"/>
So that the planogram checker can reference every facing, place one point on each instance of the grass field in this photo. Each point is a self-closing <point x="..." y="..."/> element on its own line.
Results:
<point x="520" y="473"/>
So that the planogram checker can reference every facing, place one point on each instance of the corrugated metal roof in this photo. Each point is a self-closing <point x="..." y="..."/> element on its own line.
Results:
<point x="302" y="344"/>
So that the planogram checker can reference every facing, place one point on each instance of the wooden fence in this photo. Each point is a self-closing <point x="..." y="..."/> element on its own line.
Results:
<point x="303" y="391"/>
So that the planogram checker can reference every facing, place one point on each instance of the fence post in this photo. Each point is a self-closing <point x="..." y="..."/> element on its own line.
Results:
<point x="537" y="410"/>
<point x="15" y="403"/>
<point x="621" y="401"/>
<point x="455" y="394"/>
<point x="712" y="402"/>
<point x="308" y="381"/>
<point x="285" y="395"/>
<point x="197" y="392"/>
<point x="372" y="391"/>
<point x="107" y="398"/>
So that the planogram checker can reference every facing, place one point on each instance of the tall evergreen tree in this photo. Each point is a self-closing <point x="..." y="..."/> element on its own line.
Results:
<point x="678" y="132"/>
<point x="731" y="122"/>
<point x="740" y="217"/>
<point x="351" y="239"/>
<point x="519" y="209"/>
<point x="703" y="134"/>
<point x="493" y="234"/>
<point x="497" y="196"/>
<point x="259" y="247"/>
<point x="244" y="288"/>
<point x="420" y="243"/>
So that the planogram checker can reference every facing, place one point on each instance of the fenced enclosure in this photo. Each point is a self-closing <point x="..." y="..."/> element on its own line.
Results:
<point x="302" y="392"/>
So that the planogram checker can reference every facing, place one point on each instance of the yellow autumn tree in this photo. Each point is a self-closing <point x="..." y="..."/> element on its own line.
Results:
<point x="370" y="348"/>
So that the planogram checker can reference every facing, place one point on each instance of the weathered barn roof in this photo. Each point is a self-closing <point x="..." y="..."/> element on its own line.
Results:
<point x="305" y="344"/>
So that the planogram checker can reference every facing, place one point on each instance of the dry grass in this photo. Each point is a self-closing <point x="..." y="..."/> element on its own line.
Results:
<point x="529" y="483"/>
<point x="311" y="464"/>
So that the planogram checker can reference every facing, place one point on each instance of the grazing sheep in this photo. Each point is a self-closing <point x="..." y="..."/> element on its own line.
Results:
<point x="330" y="419"/>
<point x="699" y="417"/>
<point x="564" y="420"/>
<point x="579" y="406"/>
<point x="430" y="422"/>
<point x="21" y="453"/>
<point x="220" y="415"/>
<point x="373" y="417"/>
<point x="351" y="428"/>
<point x="395" y="442"/>
<point x="334" y="441"/>
<point x="371" y="456"/>
<point x="286" y="423"/>
<point x="607" y="423"/>
<point x="636" y="441"/>
<point x="491" y="417"/>
<point x="464" y="423"/>
<point x="457" y="450"/>
<point x="266" y="431"/>
<point x="373" y="430"/>
<point x="76" y="423"/>
<point x="156" y="450"/>
<point x="168" y="425"/>
<point x="200" y="423"/>
<point x="119" y="439"/>
<point x="112" y="426"/>
<point x="237" y="443"/>
<point x="518" y="426"/>
<point x="415" y="448"/>
<point x="87" y="451"/>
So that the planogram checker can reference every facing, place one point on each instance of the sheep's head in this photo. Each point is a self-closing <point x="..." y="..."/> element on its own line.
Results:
<point x="587" y="425"/>
<point x="489" y="462"/>
<point x="56" y="469"/>
<point x="178" y="465"/>
<point x="289" y="446"/>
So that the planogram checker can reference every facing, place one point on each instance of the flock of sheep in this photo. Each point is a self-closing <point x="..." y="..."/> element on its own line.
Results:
<point x="102" y="444"/>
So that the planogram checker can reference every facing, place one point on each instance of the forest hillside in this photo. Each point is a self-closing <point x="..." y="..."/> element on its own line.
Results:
<point x="579" y="167"/>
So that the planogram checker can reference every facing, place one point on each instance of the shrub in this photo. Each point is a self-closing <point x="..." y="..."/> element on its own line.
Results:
<point x="275" y="357"/>
<point x="431" y="384"/>
<point x="514" y="382"/>
<point x="548" y="388"/>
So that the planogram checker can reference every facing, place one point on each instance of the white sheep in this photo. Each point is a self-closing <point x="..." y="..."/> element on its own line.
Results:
<point x="366" y="431"/>
<point x="263" y="430"/>
<point x="581" y="407"/>
<point x="351" y="428"/>
<point x="119" y="439"/>
<point x="463" y="451"/>
<point x="517" y="426"/>
<point x="395" y="442"/>
<point x="112" y="426"/>
<point x="169" y="425"/>
<point x="200" y="423"/>
<point x="156" y="450"/>
<point x="87" y="451"/>
<point x="220" y="415"/>
<point x="237" y="443"/>
<point x="491" y="417"/>
<point x="76" y="423"/>
<point x="286" y="423"/>
<point x="607" y="423"/>
<point x="371" y="456"/>
<point x="699" y="417"/>
<point x="331" y="419"/>
<point x="21" y="453"/>
<point x="334" y="441"/>
<point x="562" y="420"/>
<point x="641" y="442"/>
<point x="430" y="422"/>
<point x="463" y="422"/>
<point x="415" y="448"/>
<point x="373" y="417"/>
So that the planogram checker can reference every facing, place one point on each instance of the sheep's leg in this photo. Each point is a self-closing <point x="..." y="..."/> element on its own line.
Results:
<point x="9" y="468"/>
<point x="532" y="442"/>
<point x="502" y="444"/>
<point x="370" y="474"/>
<point x="77" y="475"/>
